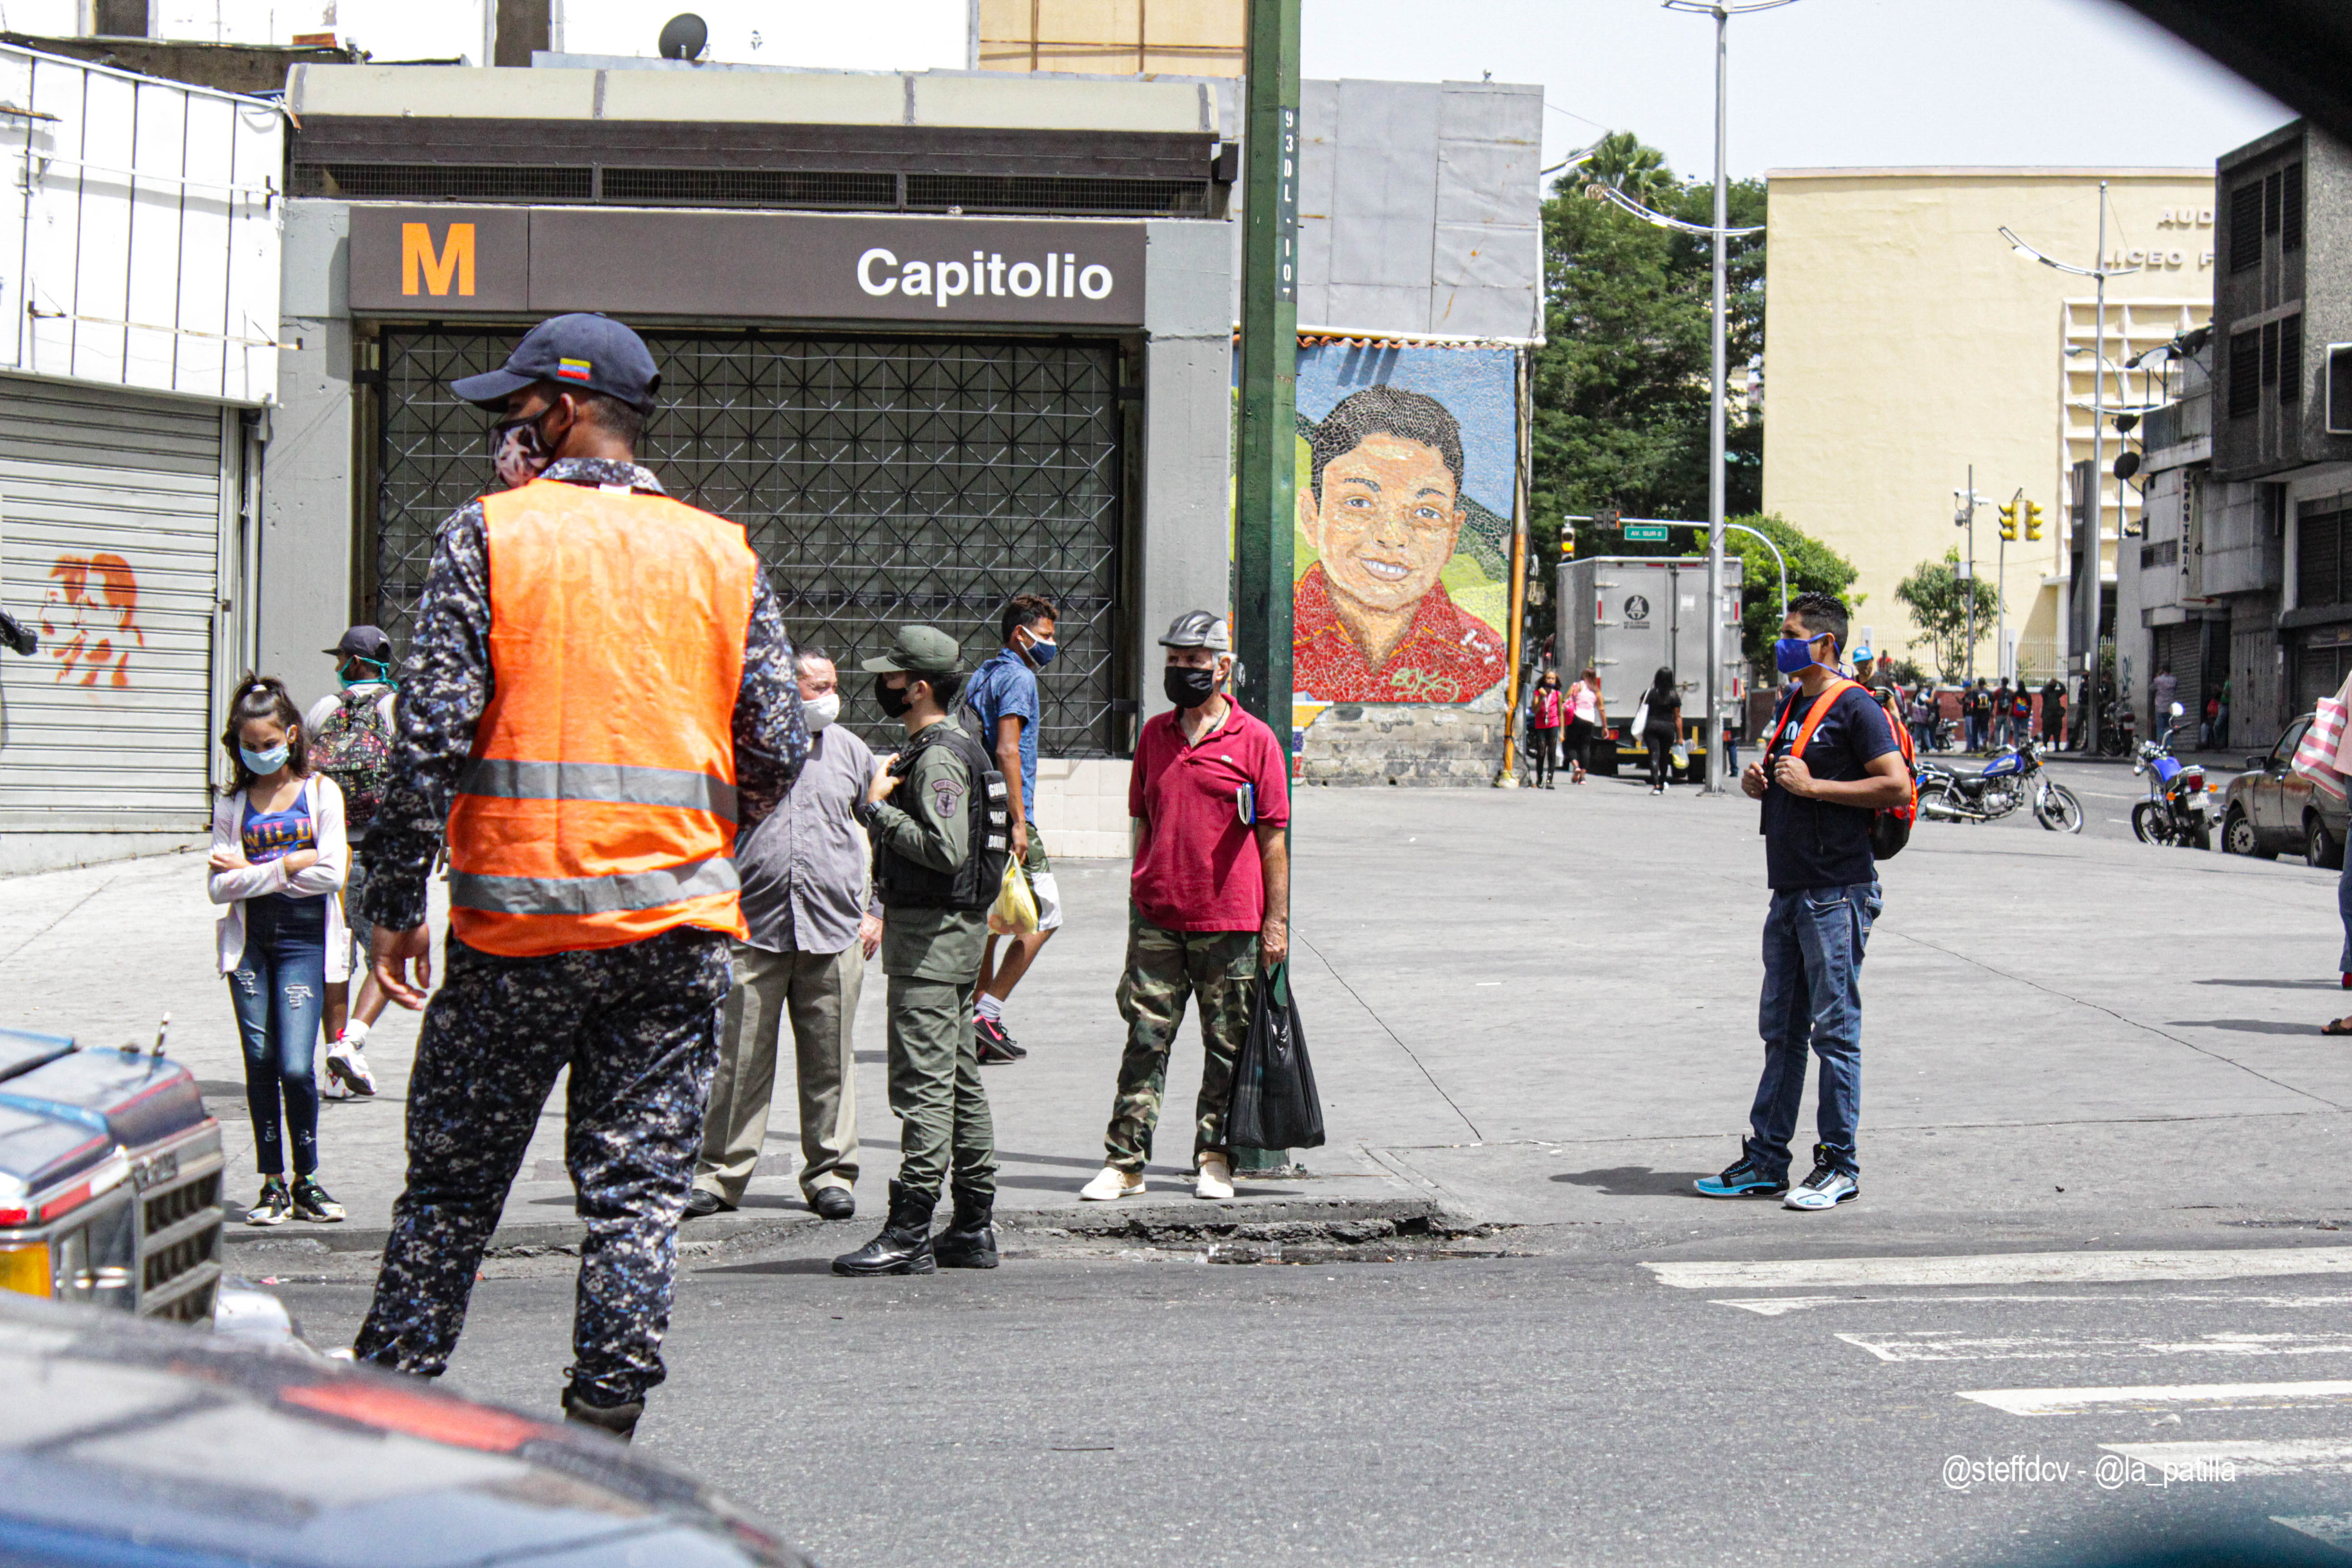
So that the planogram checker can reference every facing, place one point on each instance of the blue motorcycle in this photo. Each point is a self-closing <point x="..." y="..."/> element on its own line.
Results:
<point x="2010" y="780"/>
<point x="2177" y="809"/>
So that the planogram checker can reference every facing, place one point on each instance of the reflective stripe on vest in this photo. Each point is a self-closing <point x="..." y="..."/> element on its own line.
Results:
<point x="599" y="805"/>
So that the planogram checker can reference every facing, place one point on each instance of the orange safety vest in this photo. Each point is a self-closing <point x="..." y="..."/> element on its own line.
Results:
<point x="599" y="806"/>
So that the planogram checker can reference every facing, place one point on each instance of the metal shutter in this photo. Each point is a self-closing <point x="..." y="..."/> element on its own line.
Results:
<point x="111" y="526"/>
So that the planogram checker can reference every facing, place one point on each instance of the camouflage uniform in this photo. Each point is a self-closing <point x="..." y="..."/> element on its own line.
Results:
<point x="1164" y="967"/>
<point x="636" y="1024"/>
<point x="933" y="957"/>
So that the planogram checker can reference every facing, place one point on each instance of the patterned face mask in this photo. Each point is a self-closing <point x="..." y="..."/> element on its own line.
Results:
<point x="518" y="453"/>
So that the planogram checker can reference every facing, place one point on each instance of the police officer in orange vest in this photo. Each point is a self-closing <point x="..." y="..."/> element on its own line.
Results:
<point x="597" y="676"/>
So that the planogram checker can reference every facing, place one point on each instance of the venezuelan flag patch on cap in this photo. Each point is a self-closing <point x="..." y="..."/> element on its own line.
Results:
<point x="573" y="369"/>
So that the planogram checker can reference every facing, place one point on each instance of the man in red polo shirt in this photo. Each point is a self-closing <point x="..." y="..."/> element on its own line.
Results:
<point x="1210" y="901"/>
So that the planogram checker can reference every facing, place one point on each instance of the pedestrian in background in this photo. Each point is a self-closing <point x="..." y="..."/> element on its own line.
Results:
<point x="1829" y="763"/>
<point x="811" y="923"/>
<point x="1209" y="902"/>
<point x="577" y="721"/>
<point x="1546" y="709"/>
<point x="1588" y="724"/>
<point x="2162" y="693"/>
<point x="1662" y="728"/>
<point x="278" y="856"/>
<point x="1922" y="715"/>
<point x="2003" y="718"/>
<point x="1001" y="699"/>
<point x="939" y="817"/>
<point x="2020" y="713"/>
<point x="350" y="735"/>
<point x="2054" y="712"/>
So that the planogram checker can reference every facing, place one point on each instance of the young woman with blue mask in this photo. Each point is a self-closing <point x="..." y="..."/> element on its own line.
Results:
<point x="279" y="855"/>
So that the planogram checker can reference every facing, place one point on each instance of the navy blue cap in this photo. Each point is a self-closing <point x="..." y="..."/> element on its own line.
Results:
<point x="594" y="352"/>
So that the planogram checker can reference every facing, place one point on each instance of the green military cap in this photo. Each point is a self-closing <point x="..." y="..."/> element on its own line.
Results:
<point x="919" y="650"/>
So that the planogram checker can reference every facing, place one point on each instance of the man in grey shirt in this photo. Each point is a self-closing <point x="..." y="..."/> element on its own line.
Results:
<point x="808" y="902"/>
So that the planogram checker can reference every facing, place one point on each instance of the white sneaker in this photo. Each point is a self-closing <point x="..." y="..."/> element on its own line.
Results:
<point x="1216" y="1178"/>
<point x="1111" y="1183"/>
<point x="348" y="1068"/>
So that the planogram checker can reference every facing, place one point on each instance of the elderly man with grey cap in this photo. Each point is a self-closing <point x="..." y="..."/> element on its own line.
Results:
<point x="1210" y="900"/>
<point x="597" y="674"/>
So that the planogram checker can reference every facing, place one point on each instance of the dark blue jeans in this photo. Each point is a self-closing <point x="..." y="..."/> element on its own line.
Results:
<point x="1814" y="941"/>
<point x="2343" y="908"/>
<point x="280" y="991"/>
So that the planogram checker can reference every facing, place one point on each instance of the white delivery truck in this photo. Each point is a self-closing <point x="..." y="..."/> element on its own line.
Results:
<point x="1627" y="617"/>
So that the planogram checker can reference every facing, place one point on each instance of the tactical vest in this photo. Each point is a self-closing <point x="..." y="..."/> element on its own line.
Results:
<point x="972" y="886"/>
<point x="598" y="808"/>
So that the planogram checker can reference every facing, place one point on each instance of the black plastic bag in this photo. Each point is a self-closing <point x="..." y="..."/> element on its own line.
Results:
<point x="1275" y="1105"/>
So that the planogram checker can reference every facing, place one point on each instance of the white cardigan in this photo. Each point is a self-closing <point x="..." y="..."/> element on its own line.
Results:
<point x="230" y="888"/>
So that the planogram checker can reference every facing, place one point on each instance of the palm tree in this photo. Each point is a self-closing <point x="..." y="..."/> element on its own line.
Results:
<point x="1620" y="160"/>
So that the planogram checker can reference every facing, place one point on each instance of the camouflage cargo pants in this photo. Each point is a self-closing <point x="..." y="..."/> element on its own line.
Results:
<point x="638" y="1027"/>
<point x="1163" y="968"/>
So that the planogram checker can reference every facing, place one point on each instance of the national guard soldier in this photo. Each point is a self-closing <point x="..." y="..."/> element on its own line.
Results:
<point x="595" y="671"/>
<point x="936" y="812"/>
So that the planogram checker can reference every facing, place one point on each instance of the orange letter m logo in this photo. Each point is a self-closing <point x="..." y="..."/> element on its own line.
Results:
<point x="456" y="258"/>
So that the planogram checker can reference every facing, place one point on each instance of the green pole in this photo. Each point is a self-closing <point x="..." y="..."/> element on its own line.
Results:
<point x="1264" y="504"/>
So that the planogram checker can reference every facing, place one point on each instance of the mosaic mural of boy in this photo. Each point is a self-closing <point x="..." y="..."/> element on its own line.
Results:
<point x="1382" y="509"/>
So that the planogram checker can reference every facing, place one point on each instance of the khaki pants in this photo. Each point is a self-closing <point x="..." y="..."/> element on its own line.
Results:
<point x="818" y="991"/>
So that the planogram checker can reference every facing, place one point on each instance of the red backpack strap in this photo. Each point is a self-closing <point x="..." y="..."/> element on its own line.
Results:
<point x="1820" y="710"/>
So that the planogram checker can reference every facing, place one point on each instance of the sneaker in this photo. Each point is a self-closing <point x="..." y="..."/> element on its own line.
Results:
<point x="346" y="1065"/>
<point x="312" y="1201"/>
<point x="1215" y="1179"/>
<point x="1112" y="1183"/>
<point x="1743" y="1178"/>
<point x="1826" y="1188"/>
<point x="995" y="1045"/>
<point x="273" y="1206"/>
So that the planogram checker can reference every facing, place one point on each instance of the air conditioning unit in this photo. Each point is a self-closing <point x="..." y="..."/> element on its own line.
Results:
<point x="2339" y="389"/>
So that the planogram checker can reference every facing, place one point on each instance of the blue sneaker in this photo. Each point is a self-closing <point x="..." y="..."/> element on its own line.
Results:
<point x="1742" y="1179"/>
<point x="1826" y="1188"/>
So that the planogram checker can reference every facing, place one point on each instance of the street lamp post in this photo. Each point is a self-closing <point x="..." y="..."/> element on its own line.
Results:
<point x="2087" y="608"/>
<point x="1722" y="11"/>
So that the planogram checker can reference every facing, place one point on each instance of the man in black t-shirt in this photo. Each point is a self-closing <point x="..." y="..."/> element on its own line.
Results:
<point x="1827" y="768"/>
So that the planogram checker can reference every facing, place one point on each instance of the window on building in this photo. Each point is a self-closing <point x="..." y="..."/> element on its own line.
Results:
<point x="2270" y="354"/>
<point x="2246" y="226"/>
<point x="2274" y="200"/>
<point x="2319" y="559"/>
<point x="2290" y="359"/>
<point x="2290" y="213"/>
<point x="2245" y="373"/>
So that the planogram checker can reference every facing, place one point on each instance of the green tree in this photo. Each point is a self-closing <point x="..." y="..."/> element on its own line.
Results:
<point x="1621" y="386"/>
<point x="1813" y="568"/>
<point x="1938" y="598"/>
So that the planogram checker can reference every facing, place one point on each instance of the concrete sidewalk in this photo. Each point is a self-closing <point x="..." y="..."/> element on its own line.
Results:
<point x="1533" y="1008"/>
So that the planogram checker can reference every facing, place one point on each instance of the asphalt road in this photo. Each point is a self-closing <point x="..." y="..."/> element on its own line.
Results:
<point x="1559" y="1408"/>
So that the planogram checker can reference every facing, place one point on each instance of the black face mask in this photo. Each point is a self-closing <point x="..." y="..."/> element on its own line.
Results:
<point x="894" y="699"/>
<point x="1189" y="689"/>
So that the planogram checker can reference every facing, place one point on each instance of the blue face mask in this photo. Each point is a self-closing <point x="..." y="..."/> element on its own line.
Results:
<point x="263" y="763"/>
<point x="371" y="672"/>
<point x="1041" y="654"/>
<point x="1792" y="656"/>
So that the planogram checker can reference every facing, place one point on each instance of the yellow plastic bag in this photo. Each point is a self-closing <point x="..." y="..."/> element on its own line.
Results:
<point x="1014" y="913"/>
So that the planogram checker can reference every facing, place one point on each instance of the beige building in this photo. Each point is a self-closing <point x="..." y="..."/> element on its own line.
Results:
<point x="1906" y="341"/>
<point x="1145" y="38"/>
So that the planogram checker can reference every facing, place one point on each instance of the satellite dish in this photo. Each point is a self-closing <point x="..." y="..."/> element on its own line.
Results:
<point x="2127" y="465"/>
<point x="684" y="37"/>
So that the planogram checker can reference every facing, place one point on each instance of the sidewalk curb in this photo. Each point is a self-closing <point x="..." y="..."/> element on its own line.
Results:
<point x="509" y="1240"/>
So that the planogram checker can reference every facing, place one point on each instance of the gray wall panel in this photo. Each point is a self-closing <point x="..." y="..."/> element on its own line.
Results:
<point x="1384" y="183"/>
<point x="306" y="539"/>
<point x="1187" y="457"/>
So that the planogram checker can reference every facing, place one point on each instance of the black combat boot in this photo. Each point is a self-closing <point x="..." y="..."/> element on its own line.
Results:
<point x="904" y="1245"/>
<point x="970" y="1240"/>
<point x="613" y="1420"/>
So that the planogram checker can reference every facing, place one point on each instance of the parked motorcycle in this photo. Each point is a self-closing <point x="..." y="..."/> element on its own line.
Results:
<point x="2119" y="735"/>
<point x="2177" y="810"/>
<point x="2010" y="780"/>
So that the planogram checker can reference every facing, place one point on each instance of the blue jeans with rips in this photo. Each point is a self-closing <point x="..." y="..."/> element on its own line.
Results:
<point x="278" y="990"/>
<point x="1813" y="942"/>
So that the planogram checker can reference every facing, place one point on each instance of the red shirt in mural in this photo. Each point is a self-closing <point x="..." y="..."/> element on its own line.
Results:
<point x="1447" y="654"/>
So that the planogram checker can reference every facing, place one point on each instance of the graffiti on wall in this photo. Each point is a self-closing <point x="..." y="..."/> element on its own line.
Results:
<point x="1406" y="462"/>
<point x="91" y="619"/>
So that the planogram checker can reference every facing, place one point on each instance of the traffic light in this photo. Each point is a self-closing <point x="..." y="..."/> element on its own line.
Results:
<point x="2033" y="519"/>
<point x="2009" y="520"/>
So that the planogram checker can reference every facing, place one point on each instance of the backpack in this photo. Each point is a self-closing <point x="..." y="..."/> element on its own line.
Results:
<point x="355" y="749"/>
<point x="972" y="886"/>
<point x="1890" y="825"/>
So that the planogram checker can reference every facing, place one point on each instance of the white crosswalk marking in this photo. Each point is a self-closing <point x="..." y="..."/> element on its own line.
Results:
<point x="1780" y="1305"/>
<point x="2163" y="1397"/>
<point x="2256" y="1456"/>
<point x="1940" y="1344"/>
<point x="2333" y="1529"/>
<point x="2006" y="1268"/>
